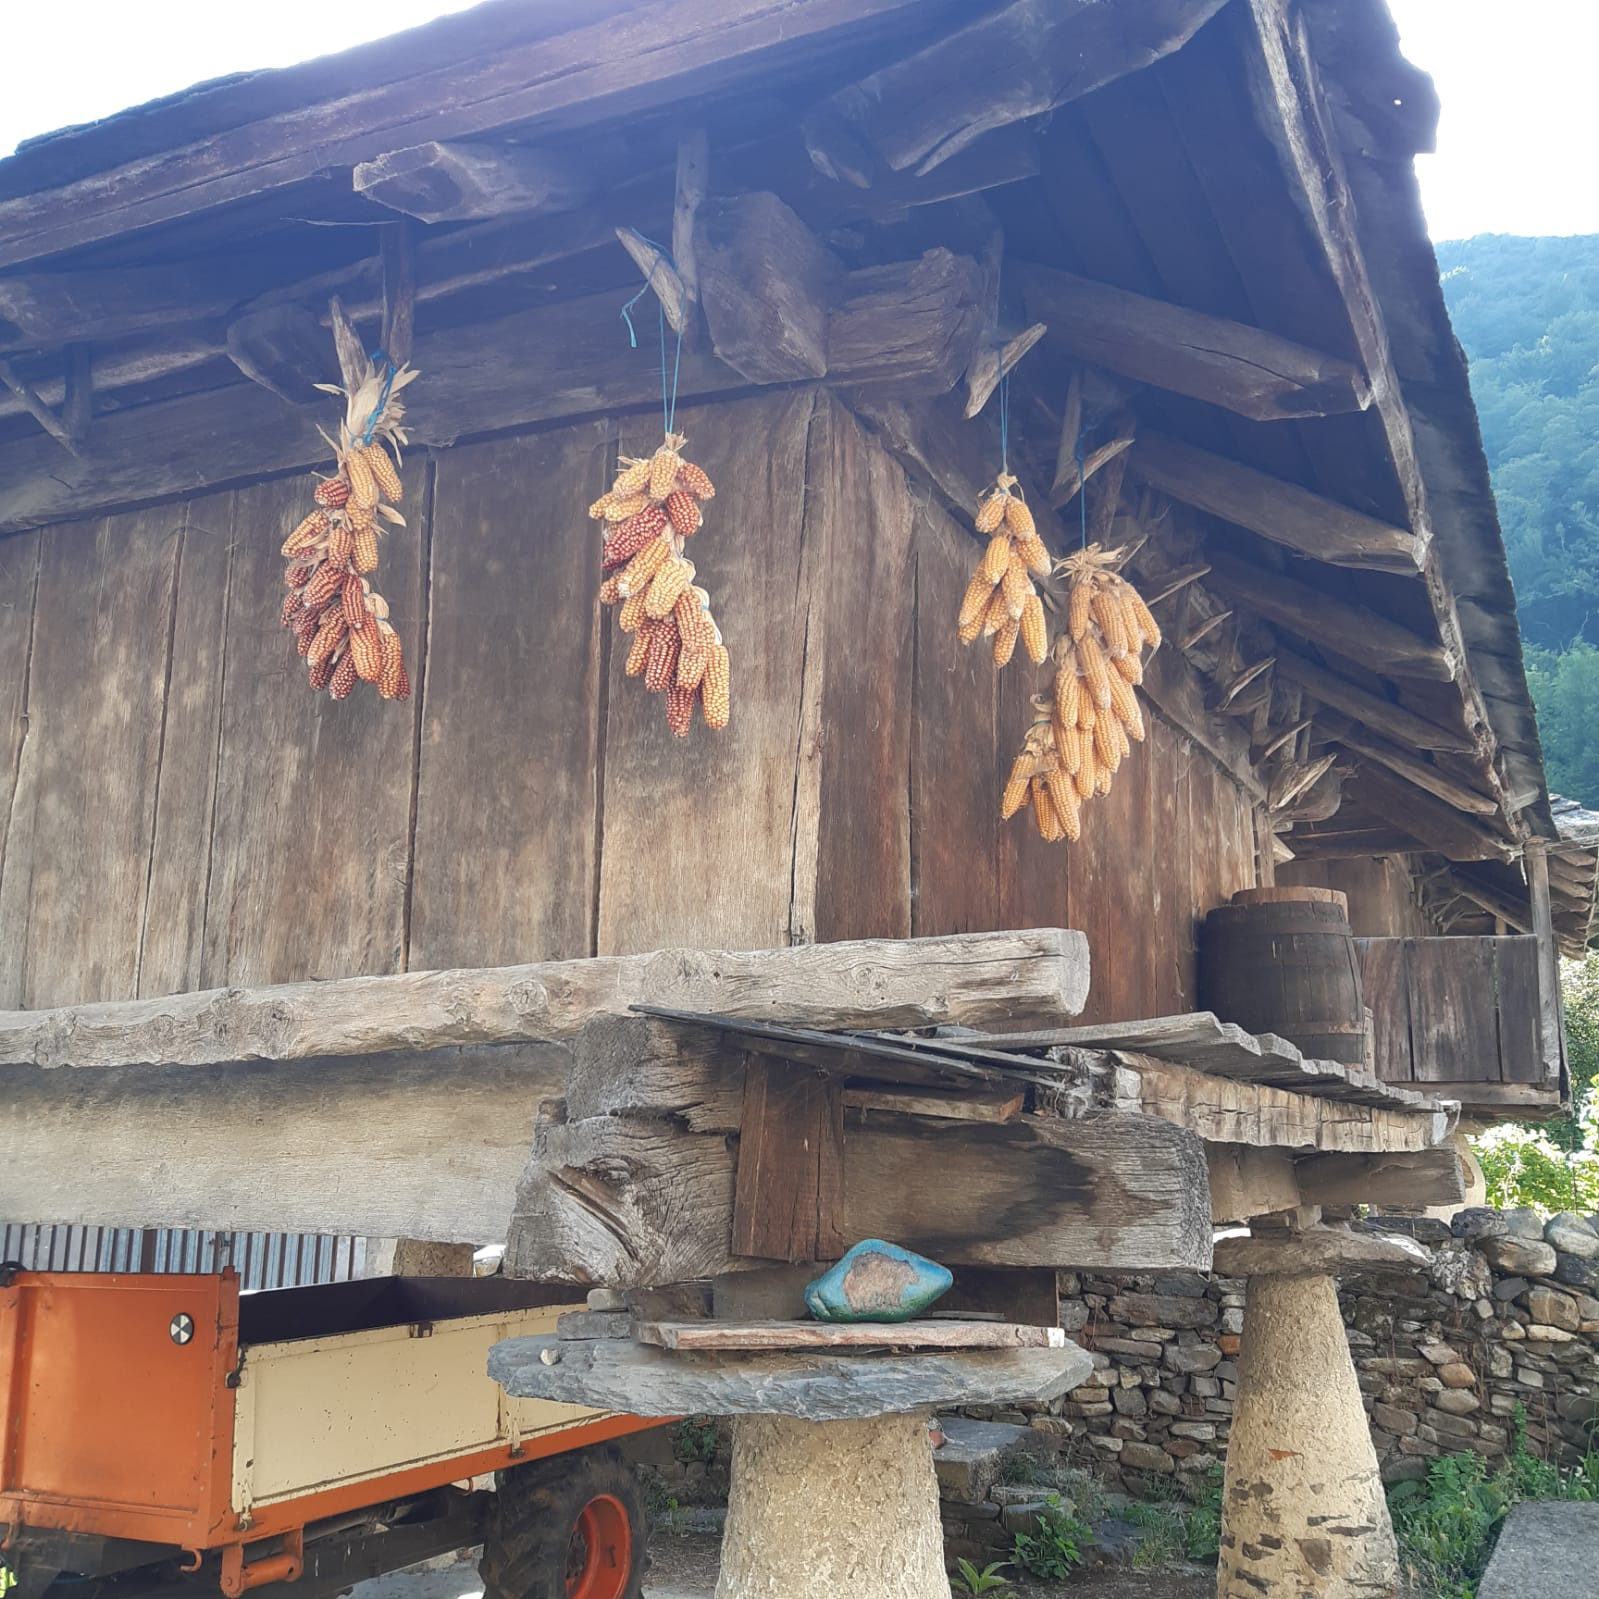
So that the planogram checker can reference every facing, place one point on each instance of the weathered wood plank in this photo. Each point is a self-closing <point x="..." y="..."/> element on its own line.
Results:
<point x="19" y="584"/>
<point x="1453" y="1028"/>
<point x="912" y="325"/>
<point x="1381" y="715"/>
<point x="515" y="564"/>
<point x="285" y="349"/>
<point x="42" y="310"/>
<point x="1425" y="1177"/>
<point x="1517" y="989"/>
<point x="1244" y="369"/>
<point x="624" y="59"/>
<point x="171" y="943"/>
<point x="1348" y="630"/>
<point x="631" y="1065"/>
<point x="628" y="1202"/>
<point x="1385" y="981"/>
<point x="975" y="979"/>
<point x="81" y="820"/>
<point x="1309" y="524"/>
<point x="787" y="1199"/>
<point x="1440" y="827"/>
<point x="700" y="832"/>
<point x="425" y="1145"/>
<point x="1412" y="768"/>
<point x="998" y="1105"/>
<point x="716" y="1336"/>
<point x="304" y="783"/>
<point x="1015" y="63"/>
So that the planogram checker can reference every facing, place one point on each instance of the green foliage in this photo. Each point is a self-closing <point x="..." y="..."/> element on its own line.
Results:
<point x="1447" y="1525"/>
<point x="1527" y="313"/>
<point x="1204" y="1520"/>
<point x="1019" y="1469"/>
<point x="969" y="1580"/>
<point x="1555" y="1165"/>
<point x="695" y="1439"/>
<point x="1178" y="1528"/>
<point x="1055" y="1550"/>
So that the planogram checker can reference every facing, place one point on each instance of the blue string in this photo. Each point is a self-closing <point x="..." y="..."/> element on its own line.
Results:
<point x="668" y="399"/>
<point x="1082" y="488"/>
<point x="1004" y="424"/>
<point x="383" y="397"/>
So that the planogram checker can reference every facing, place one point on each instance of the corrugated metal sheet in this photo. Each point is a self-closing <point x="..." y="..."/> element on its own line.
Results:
<point x="262" y="1260"/>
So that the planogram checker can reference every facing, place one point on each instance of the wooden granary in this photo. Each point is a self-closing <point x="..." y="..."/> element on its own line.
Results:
<point x="274" y="960"/>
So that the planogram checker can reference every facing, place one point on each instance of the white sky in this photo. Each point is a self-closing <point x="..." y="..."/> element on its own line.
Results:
<point x="1518" y="144"/>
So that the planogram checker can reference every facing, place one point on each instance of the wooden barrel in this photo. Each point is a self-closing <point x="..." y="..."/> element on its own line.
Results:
<point x="1283" y="960"/>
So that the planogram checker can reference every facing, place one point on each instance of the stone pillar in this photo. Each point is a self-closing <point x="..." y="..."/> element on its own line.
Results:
<point x="835" y="1507"/>
<point x="1303" y="1512"/>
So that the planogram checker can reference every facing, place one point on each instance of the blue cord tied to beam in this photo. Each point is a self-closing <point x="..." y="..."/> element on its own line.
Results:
<point x="668" y="397"/>
<point x="383" y="396"/>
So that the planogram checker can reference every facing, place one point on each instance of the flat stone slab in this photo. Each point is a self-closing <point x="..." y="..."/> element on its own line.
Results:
<point x="637" y="1380"/>
<point x="1317" y="1251"/>
<point x="1545" y="1551"/>
<point x="778" y="1335"/>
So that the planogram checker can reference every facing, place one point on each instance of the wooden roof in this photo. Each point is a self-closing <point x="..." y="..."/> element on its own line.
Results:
<point x="1210" y="206"/>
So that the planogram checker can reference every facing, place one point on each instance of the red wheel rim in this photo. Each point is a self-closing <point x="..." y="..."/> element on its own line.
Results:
<point x="599" y="1556"/>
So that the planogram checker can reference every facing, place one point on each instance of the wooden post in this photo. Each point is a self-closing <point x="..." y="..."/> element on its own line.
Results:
<point x="1551" y="1036"/>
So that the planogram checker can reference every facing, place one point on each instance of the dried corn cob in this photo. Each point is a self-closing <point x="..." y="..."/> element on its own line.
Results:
<point x="715" y="688"/>
<point x="665" y="587"/>
<point x="664" y="467"/>
<point x="1035" y="555"/>
<point x="388" y="480"/>
<point x="1095" y="669"/>
<point x="690" y="477"/>
<point x="638" y="572"/>
<point x="343" y="678"/>
<point x="1067" y="805"/>
<point x="996" y="558"/>
<point x="991" y="511"/>
<point x="975" y="602"/>
<point x="996" y="616"/>
<point x="1018" y="589"/>
<point x="660" y="666"/>
<point x="329" y="635"/>
<point x="680" y="709"/>
<point x="1035" y="635"/>
<point x="367" y="651"/>
<point x="640" y="653"/>
<point x="610" y="590"/>
<point x="320" y="674"/>
<point x="354" y="601"/>
<point x="392" y="681"/>
<point x="307" y="534"/>
<point x="365" y="558"/>
<point x="363" y="481"/>
<point x="1005" y="641"/>
<point x="1107" y="612"/>
<point x="1018" y="518"/>
<point x="631" y="616"/>
<point x="683" y="513"/>
<point x="624" y="507"/>
<point x="291" y="608"/>
<point x="634" y="476"/>
<point x="332" y="492"/>
<point x="1015" y="795"/>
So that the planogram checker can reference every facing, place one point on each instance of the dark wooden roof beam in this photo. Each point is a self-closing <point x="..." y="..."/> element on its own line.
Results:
<point x="1309" y="524"/>
<point x="1381" y="715"/>
<point x="1430" y="821"/>
<point x="1242" y="369"/>
<point x="58" y="427"/>
<point x="1348" y="630"/>
<point x="437" y="182"/>
<point x="1411" y="767"/>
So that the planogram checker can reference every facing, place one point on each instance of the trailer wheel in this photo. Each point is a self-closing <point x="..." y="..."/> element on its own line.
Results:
<point x="567" y="1528"/>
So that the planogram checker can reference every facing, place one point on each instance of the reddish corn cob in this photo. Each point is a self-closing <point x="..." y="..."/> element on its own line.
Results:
<point x="660" y="669"/>
<point x="683" y="513"/>
<point x="332" y="492"/>
<point x="392" y="675"/>
<point x="291" y="608"/>
<point x="308" y="533"/>
<point x="343" y="679"/>
<point x="691" y="664"/>
<point x="627" y="538"/>
<point x="680" y="709"/>
<point x="305" y="630"/>
<point x="716" y="687"/>
<point x="692" y="622"/>
<point x="341" y="542"/>
<point x="690" y="477"/>
<point x="325" y="583"/>
<point x="354" y="601"/>
<point x="322" y="672"/>
<point x="297" y="576"/>
<point x="329" y="635"/>
<point x="365" y="557"/>
<point x="368" y="654"/>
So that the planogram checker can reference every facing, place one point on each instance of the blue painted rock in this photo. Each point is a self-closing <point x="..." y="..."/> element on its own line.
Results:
<point x="877" y="1282"/>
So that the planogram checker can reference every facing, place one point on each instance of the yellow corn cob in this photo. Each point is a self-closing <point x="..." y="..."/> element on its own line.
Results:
<point x="1064" y="798"/>
<point x="991" y="512"/>
<point x="631" y="479"/>
<point x="368" y="653"/>
<point x="1005" y="641"/>
<point x="353" y="600"/>
<point x="978" y="593"/>
<point x="1049" y="828"/>
<point x="1066" y="691"/>
<point x="1106" y="749"/>
<point x="1122" y="699"/>
<point x="638" y="572"/>
<point x="716" y="687"/>
<point x="1140" y="619"/>
<point x="388" y="479"/>
<point x="341" y="542"/>
<point x="996" y="558"/>
<point x="1078" y="603"/>
<point x="625" y="508"/>
<point x="308" y="533"/>
<point x="1069" y="745"/>
<point x="1017" y="517"/>
<point x="1085" y="777"/>
<point x="664" y="467"/>
<point x="1096" y="673"/>
<point x="599" y="507"/>
<point x="1130" y="667"/>
<point x="365" y="555"/>
<point x="996" y="616"/>
<point x="665" y="587"/>
<point x="692" y="622"/>
<point x="1015" y="795"/>
<point x="1018" y="586"/>
<point x="363" y="485"/>
<point x="691" y="664"/>
<point x="1107" y="612"/>
<point x="1033" y="552"/>
<point x="631" y="615"/>
<point x="967" y="632"/>
<point x="1102" y="780"/>
<point x="640" y="653"/>
<point x="392" y="675"/>
<point x="1086" y="713"/>
<point x="610" y="590"/>
<point x="1124" y="748"/>
<point x="1035" y="635"/>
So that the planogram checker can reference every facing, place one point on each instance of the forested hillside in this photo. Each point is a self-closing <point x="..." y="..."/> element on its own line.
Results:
<point x="1527" y="312"/>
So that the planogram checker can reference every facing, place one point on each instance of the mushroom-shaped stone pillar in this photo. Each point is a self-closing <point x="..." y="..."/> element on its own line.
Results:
<point x="833" y="1489"/>
<point x="1303" y="1512"/>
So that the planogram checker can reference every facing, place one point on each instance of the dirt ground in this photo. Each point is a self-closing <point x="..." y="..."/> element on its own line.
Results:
<point x="685" y="1568"/>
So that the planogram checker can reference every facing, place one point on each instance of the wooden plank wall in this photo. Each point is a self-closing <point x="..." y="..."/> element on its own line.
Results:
<point x="1381" y="891"/>
<point x="178" y="811"/>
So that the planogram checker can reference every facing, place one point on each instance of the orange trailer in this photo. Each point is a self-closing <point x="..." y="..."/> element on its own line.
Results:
<point x="162" y="1429"/>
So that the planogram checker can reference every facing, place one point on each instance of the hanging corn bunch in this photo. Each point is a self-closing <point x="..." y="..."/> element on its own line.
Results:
<point x="1001" y="602"/>
<point x="339" y="620"/>
<point x="1092" y="714"/>
<point x="651" y="510"/>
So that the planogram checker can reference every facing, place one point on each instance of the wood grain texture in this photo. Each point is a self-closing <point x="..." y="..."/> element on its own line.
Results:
<point x="1517" y="991"/>
<point x="77" y="848"/>
<point x="699" y="837"/>
<point x="1385" y="980"/>
<point x="506" y="825"/>
<point x="974" y="980"/>
<point x="19" y="583"/>
<point x="313" y="797"/>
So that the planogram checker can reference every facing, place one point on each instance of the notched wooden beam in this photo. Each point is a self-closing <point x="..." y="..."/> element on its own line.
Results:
<point x="56" y="426"/>
<point x="1243" y="369"/>
<point x="286" y="349"/>
<point x="995" y="363"/>
<point x="437" y="182"/>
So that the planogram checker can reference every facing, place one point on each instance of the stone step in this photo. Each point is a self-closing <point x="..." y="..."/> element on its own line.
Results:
<point x="1545" y="1551"/>
<point x="969" y="1460"/>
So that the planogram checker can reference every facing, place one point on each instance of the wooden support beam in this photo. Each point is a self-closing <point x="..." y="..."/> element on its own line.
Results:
<point x="1010" y="979"/>
<point x="285" y="349"/>
<point x="914" y="324"/>
<point x="1380" y="715"/>
<point x="46" y="309"/>
<point x="626" y="1201"/>
<point x="437" y="182"/>
<point x="1075" y="480"/>
<point x="1309" y="524"/>
<point x="1015" y="63"/>
<point x="991" y="365"/>
<point x="999" y="1105"/>
<point x="1440" y="827"/>
<point x="692" y="186"/>
<point x="399" y="292"/>
<point x="767" y="284"/>
<point x="1246" y="370"/>
<point x="1421" y="1177"/>
<point x="1348" y="630"/>
<point x="1551" y="1036"/>
<point x="54" y="425"/>
<point x="77" y="405"/>
<point x="1412" y="768"/>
